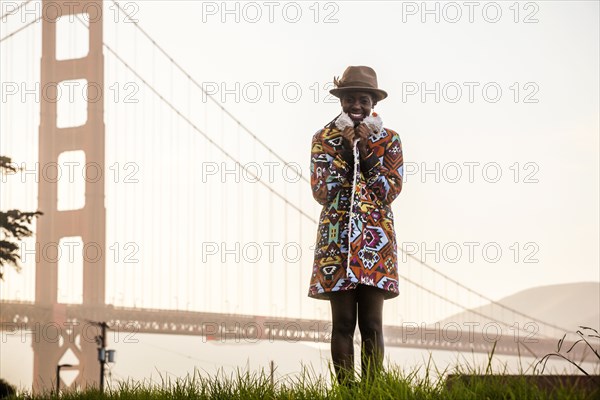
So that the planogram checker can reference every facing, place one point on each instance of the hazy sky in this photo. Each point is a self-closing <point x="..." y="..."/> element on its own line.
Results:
<point x="554" y="60"/>
<point x="501" y="99"/>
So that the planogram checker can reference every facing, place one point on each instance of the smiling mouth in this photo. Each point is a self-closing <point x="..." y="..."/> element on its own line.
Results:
<point x="356" y="116"/>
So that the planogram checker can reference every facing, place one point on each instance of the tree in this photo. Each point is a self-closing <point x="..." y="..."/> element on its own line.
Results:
<point x="14" y="226"/>
<point x="6" y="389"/>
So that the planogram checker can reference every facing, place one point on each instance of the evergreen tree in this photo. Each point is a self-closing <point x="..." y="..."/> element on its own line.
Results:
<point x="14" y="226"/>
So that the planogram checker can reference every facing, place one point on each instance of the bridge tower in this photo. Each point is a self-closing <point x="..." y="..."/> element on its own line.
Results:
<point x="53" y="338"/>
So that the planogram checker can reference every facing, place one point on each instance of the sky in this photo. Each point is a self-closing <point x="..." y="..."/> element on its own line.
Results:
<point x="499" y="102"/>
<point x="550" y="138"/>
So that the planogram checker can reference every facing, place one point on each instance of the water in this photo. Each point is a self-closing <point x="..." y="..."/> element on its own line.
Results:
<point x="156" y="358"/>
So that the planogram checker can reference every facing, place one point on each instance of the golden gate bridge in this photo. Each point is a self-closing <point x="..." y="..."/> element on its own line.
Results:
<point x="181" y="273"/>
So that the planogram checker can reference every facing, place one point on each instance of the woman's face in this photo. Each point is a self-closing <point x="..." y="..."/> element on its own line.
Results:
<point x="357" y="104"/>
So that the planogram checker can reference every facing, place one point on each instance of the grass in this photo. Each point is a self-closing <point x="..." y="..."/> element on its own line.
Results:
<point x="392" y="383"/>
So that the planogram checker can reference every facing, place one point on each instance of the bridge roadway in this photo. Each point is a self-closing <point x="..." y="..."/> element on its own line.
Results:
<point x="26" y="318"/>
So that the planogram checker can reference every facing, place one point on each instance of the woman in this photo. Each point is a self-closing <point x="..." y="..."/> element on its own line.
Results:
<point x="356" y="172"/>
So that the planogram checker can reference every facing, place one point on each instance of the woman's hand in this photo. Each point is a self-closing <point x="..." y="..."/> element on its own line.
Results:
<point x="363" y="132"/>
<point x="348" y="135"/>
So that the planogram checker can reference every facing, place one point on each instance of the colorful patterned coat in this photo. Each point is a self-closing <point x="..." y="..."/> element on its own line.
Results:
<point x="373" y="248"/>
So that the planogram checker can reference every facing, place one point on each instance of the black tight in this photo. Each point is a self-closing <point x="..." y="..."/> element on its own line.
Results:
<point x="344" y="304"/>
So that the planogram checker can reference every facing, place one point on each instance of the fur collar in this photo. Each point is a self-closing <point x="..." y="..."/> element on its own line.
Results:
<point x="373" y="121"/>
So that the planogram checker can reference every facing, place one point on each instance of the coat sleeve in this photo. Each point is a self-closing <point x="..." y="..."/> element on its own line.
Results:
<point x="328" y="172"/>
<point x="383" y="175"/>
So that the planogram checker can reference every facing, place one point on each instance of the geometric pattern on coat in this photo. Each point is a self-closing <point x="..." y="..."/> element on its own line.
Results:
<point x="372" y="258"/>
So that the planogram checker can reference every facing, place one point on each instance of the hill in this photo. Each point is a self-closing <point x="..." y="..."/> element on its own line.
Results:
<point x="566" y="305"/>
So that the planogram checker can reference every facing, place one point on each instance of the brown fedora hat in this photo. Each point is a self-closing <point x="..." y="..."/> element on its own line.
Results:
<point x="358" y="78"/>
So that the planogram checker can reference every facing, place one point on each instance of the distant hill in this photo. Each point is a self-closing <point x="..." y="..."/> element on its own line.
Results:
<point x="565" y="305"/>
